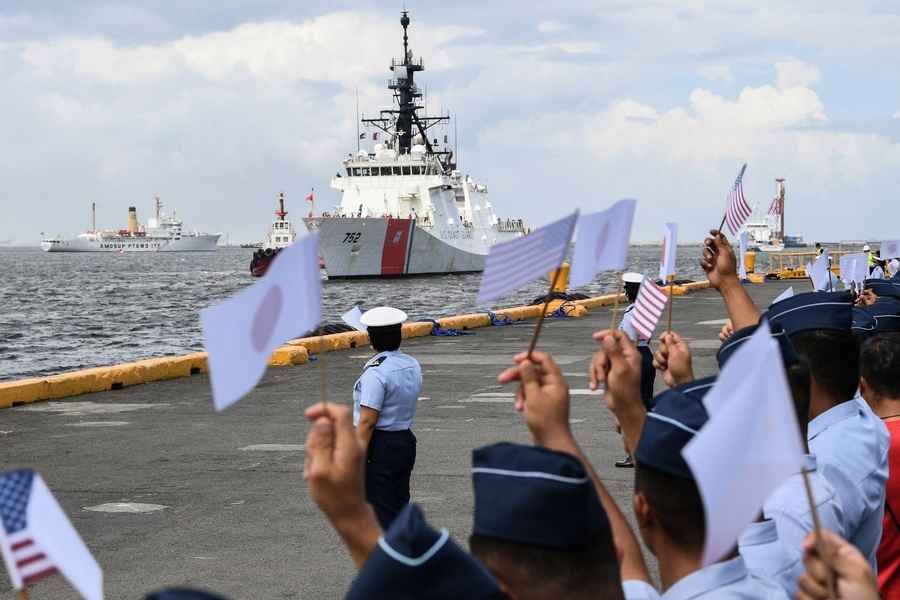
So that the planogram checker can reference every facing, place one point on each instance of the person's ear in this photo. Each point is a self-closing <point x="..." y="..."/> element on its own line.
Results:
<point x="642" y="512"/>
<point x="864" y="387"/>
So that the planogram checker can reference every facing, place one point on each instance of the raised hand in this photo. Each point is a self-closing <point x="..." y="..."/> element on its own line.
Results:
<point x="851" y="571"/>
<point x="543" y="398"/>
<point x="334" y="470"/>
<point x="673" y="358"/>
<point x="718" y="260"/>
<point x="727" y="330"/>
<point x="620" y="364"/>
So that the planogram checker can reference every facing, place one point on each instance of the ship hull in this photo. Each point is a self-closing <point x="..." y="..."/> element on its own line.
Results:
<point x="199" y="243"/>
<point x="385" y="247"/>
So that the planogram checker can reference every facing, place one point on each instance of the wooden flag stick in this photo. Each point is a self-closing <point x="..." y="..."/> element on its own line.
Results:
<point x="540" y="323"/>
<point x="722" y="224"/>
<point x="323" y="374"/>
<point x="671" y="300"/>
<point x="615" y="309"/>
<point x="22" y="594"/>
<point x="817" y="525"/>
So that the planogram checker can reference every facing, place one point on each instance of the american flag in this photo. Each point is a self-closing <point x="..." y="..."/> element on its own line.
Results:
<point x="512" y="264"/>
<point x="26" y="560"/>
<point x="648" y="307"/>
<point x="738" y="210"/>
<point x="776" y="207"/>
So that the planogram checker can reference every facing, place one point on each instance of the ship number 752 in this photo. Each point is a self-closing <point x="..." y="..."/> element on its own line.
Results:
<point x="352" y="237"/>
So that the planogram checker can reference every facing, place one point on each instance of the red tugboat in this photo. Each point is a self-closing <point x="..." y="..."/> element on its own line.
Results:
<point x="280" y="236"/>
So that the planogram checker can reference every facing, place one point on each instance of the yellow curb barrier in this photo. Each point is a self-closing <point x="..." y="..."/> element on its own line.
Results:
<point x="294" y="352"/>
<point x="576" y="311"/>
<point x="756" y="277"/>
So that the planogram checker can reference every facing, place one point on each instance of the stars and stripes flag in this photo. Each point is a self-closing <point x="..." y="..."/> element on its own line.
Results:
<point x="512" y="264"/>
<point x="648" y="308"/>
<point x="37" y="539"/>
<point x="738" y="210"/>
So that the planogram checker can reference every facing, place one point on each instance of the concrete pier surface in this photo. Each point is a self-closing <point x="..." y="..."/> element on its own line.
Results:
<point x="165" y="491"/>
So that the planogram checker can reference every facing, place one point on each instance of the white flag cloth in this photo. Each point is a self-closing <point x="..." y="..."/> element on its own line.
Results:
<point x="512" y="264"/>
<point x="601" y="243"/>
<point x="890" y="249"/>
<point x="37" y="539"/>
<point x="750" y="444"/>
<point x="352" y="318"/>
<point x="669" y="252"/>
<point x="788" y="293"/>
<point x="818" y="272"/>
<point x="241" y="332"/>
<point x="742" y="265"/>
<point x="854" y="268"/>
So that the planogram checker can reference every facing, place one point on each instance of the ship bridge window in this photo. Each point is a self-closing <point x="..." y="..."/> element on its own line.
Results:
<point x="406" y="170"/>
<point x="385" y="170"/>
<point x="356" y="171"/>
<point x="364" y="171"/>
<point x="416" y="170"/>
<point x="374" y="171"/>
<point x="348" y="171"/>
<point x="396" y="170"/>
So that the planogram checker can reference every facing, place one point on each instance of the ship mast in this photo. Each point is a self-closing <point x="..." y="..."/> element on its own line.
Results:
<point x="779" y="191"/>
<point x="281" y="213"/>
<point x="93" y="217"/>
<point x="398" y="123"/>
<point x="158" y="207"/>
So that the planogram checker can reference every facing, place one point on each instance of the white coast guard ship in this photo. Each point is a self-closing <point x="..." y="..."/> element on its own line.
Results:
<point x="164" y="233"/>
<point x="405" y="208"/>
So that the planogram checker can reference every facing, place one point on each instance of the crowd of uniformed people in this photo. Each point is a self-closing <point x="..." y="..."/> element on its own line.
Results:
<point x="544" y="523"/>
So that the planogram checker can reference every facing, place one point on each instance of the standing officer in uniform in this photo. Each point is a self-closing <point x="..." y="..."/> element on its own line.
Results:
<point x="632" y="283"/>
<point x="384" y="406"/>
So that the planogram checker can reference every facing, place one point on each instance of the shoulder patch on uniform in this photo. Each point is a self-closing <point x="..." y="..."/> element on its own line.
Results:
<point x="375" y="362"/>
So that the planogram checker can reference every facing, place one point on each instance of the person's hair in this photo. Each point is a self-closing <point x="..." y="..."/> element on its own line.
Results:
<point x="833" y="359"/>
<point x="676" y="504"/>
<point x="631" y="291"/>
<point x="798" y="376"/>
<point x="537" y="572"/>
<point x="879" y="363"/>
<point x="386" y="338"/>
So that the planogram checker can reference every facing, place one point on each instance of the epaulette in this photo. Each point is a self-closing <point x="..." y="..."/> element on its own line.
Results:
<point x="375" y="362"/>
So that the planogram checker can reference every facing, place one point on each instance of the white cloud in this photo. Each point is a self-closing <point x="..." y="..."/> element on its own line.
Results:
<point x="795" y="73"/>
<point x="551" y="26"/>
<point x="716" y="73"/>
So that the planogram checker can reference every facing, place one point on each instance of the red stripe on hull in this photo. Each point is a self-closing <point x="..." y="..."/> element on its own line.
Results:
<point x="393" y="252"/>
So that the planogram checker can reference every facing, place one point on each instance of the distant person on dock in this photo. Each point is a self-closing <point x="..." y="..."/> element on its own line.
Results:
<point x="632" y="283"/>
<point x="384" y="406"/>
<point x="877" y="271"/>
<point x="819" y="249"/>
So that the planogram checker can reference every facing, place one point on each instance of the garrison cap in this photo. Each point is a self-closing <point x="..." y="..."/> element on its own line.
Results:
<point x="382" y="316"/>
<point x="863" y="324"/>
<point x="737" y="339"/>
<point x="412" y="560"/>
<point x="813" y="310"/>
<point x="677" y="417"/>
<point x="886" y="312"/>
<point x="632" y="277"/>
<point x="535" y="496"/>
<point x="182" y="593"/>
<point x="883" y="288"/>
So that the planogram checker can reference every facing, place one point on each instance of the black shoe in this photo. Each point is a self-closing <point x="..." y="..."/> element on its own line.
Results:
<point x="625" y="463"/>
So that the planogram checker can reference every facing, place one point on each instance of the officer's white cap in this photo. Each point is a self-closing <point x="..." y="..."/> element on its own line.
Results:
<point x="382" y="316"/>
<point x="866" y="248"/>
<point x="632" y="277"/>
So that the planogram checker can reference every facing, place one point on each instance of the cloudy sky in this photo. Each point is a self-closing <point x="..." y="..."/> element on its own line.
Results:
<point x="217" y="106"/>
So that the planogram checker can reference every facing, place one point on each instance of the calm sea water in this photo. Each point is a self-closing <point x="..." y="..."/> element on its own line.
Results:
<point x="64" y="311"/>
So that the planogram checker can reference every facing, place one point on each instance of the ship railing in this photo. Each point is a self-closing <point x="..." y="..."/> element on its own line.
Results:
<point x="510" y="225"/>
<point x="397" y="62"/>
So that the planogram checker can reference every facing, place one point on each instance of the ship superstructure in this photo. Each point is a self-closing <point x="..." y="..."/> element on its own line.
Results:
<point x="281" y="235"/>
<point x="405" y="207"/>
<point x="163" y="233"/>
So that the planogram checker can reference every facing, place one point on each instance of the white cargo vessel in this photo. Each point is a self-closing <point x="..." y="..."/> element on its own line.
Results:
<point x="163" y="233"/>
<point x="405" y="208"/>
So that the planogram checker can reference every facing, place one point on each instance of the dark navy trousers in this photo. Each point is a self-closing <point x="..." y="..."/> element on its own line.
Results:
<point x="389" y="463"/>
<point x="648" y="376"/>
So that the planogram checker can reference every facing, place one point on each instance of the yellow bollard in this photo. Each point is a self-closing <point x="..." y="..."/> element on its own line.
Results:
<point x="562" y="283"/>
<point x="750" y="261"/>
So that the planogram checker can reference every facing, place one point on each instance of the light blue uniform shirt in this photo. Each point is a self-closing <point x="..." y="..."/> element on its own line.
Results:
<point x="730" y="580"/>
<point x="766" y="556"/>
<point x="851" y="445"/>
<point x="390" y="383"/>
<point x="788" y="510"/>
<point x="628" y="327"/>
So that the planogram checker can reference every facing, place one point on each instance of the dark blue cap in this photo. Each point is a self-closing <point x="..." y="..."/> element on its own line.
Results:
<point x="863" y="324"/>
<point x="182" y="593"/>
<point x="412" y="560"/>
<point x="895" y="278"/>
<point x="883" y="288"/>
<point x="813" y="310"/>
<point x="886" y="312"/>
<point x="674" y="421"/>
<point x="737" y="339"/>
<point x="532" y="495"/>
